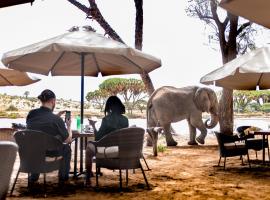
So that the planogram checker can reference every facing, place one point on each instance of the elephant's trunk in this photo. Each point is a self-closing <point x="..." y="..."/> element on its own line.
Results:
<point x="213" y="121"/>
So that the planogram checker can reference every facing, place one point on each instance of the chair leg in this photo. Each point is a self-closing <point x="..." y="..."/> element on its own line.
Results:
<point x="219" y="160"/>
<point x="256" y="155"/>
<point x="96" y="176"/>
<point x="145" y="179"/>
<point x="126" y="177"/>
<point x="12" y="189"/>
<point x="248" y="160"/>
<point x="120" y="179"/>
<point x="242" y="160"/>
<point x="224" y="163"/>
<point x="44" y="184"/>
<point x="145" y="162"/>
<point x="268" y="154"/>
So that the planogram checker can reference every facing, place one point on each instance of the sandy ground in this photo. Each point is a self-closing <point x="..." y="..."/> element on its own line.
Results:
<point x="181" y="172"/>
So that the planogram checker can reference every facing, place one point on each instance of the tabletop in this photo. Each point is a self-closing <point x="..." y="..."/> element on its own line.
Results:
<point x="262" y="132"/>
<point x="77" y="134"/>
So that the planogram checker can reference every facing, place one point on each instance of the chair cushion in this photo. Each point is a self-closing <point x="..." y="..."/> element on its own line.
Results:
<point x="107" y="152"/>
<point x="52" y="159"/>
<point x="234" y="145"/>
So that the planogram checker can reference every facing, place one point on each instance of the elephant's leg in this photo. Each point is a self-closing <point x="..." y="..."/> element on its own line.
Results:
<point x="149" y="139"/>
<point x="200" y="125"/>
<point x="192" y="134"/>
<point x="169" y="139"/>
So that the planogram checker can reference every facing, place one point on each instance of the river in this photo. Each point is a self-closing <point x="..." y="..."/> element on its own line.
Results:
<point x="181" y="127"/>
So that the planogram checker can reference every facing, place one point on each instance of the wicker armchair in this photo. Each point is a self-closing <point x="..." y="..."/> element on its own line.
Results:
<point x="8" y="151"/>
<point x="6" y="134"/>
<point x="253" y="143"/>
<point x="122" y="150"/>
<point x="229" y="147"/>
<point x="38" y="153"/>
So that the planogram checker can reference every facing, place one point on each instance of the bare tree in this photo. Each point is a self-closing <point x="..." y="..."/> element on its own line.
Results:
<point x="233" y="38"/>
<point x="93" y="12"/>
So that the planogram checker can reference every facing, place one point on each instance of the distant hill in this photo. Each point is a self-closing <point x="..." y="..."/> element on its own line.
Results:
<point x="21" y="105"/>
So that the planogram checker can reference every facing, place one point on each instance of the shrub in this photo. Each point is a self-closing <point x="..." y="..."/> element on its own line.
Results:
<point x="12" y="108"/>
<point x="266" y="108"/>
<point x="13" y="115"/>
<point x="161" y="148"/>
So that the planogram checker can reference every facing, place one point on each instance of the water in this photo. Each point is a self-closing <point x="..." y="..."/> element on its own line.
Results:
<point x="181" y="127"/>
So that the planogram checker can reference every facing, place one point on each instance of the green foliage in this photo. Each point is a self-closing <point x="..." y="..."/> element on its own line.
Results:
<point x="141" y="105"/>
<point x="9" y="115"/>
<point x="97" y="98"/>
<point x="161" y="148"/>
<point x="242" y="98"/>
<point x="12" y="108"/>
<point x="266" y="108"/>
<point x="131" y="90"/>
<point x="26" y="94"/>
<point x="13" y="115"/>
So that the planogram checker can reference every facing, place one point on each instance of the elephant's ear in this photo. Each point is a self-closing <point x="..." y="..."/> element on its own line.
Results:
<point x="201" y="100"/>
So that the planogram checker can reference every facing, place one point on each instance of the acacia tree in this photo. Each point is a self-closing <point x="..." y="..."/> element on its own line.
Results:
<point x="131" y="90"/>
<point x="92" y="12"/>
<point x="97" y="98"/>
<point x="233" y="37"/>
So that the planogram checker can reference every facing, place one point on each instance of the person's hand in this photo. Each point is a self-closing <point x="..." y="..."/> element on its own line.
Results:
<point x="68" y="123"/>
<point x="61" y="113"/>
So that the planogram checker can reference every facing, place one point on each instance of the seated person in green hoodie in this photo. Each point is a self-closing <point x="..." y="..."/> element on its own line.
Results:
<point x="113" y="120"/>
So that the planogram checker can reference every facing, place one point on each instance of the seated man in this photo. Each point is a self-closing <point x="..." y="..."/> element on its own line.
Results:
<point x="43" y="119"/>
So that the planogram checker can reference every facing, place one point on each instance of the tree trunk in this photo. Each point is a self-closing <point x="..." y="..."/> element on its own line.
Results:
<point x="229" y="52"/>
<point x="139" y="41"/>
<point x="95" y="14"/>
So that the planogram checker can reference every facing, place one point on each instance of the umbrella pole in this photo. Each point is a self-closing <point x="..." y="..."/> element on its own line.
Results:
<point x="82" y="88"/>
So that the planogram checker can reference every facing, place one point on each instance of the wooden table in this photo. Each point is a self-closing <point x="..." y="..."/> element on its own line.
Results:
<point x="264" y="134"/>
<point x="84" y="138"/>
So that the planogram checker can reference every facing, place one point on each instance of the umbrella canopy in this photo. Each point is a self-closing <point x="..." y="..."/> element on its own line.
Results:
<point x="243" y="73"/>
<point x="255" y="10"/>
<point x="61" y="56"/>
<point x="9" y="77"/>
<point x="7" y="3"/>
<point x="80" y="52"/>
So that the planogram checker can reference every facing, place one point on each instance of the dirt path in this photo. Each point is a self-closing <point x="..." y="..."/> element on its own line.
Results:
<point x="181" y="172"/>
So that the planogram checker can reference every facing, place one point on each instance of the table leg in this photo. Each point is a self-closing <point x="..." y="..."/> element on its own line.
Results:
<point x="263" y="142"/>
<point x="75" y="157"/>
<point x="81" y="154"/>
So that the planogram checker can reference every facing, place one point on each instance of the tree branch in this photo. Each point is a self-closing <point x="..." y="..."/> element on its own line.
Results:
<point x="225" y="23"/>
<point x="79" y="5"/>
<point x="139" y="24"/>
<point x="96" y="15"/>
<point x="242" y="27"/>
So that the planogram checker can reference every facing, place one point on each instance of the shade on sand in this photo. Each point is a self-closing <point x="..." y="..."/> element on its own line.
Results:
<point x="243" y="73"/>
<point x="80" y="52"/>
<point x="257" y="11"/>
<point x="9" y="77"/>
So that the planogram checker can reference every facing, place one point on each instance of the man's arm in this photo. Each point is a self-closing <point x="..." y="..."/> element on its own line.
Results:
<point x="69" y="138"/>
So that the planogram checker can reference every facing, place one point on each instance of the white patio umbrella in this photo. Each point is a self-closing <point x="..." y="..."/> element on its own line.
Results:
<point x="10" y="77"/>
<point x="257" y="11"/>
<point x="80" y="52"/>
<point x="243" y="73"/>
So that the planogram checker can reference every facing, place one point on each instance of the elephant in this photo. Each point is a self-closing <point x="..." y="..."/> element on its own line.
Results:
<point x="169" y="104"/>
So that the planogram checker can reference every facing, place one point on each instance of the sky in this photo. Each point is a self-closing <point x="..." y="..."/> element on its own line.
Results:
<point x="169" y="34"/>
